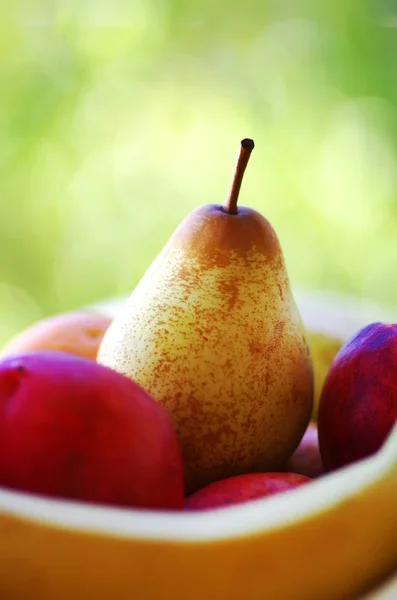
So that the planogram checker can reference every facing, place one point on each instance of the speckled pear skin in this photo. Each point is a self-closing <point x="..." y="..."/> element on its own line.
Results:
<point x="212" y="332"/>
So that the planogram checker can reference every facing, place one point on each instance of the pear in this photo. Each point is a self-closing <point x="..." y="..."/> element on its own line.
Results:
<point x="213" y="333"/>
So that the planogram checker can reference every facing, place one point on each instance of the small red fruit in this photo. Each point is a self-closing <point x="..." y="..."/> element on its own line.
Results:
<point x="242" y="488"/>
<point x="358" y="403"/>
<point x="306" y="459"/>
<point x="73" y="429"/>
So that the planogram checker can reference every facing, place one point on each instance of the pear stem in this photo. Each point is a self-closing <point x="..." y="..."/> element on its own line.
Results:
<point x="246" y="147"/>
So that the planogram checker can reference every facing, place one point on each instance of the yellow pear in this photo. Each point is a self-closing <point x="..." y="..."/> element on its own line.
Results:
<point x="213" y="333"/>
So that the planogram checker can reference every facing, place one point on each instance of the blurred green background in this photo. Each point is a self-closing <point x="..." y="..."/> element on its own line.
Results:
<point x="118" y="118"/>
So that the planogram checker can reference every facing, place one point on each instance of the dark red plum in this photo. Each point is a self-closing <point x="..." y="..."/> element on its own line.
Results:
<point x="358" y="403"/>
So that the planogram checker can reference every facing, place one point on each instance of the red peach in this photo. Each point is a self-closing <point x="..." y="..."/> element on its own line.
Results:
<point x="242" y="488"/>
<point x="358" y="402"/>
<point x="73" y="429"/>
<point x="306" y="459"/>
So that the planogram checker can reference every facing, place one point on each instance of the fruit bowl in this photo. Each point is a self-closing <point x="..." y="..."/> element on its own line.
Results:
<point x="307" y="544"/>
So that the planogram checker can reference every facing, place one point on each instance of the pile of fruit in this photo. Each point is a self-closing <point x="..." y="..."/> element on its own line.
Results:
<point x="200" y="392"/>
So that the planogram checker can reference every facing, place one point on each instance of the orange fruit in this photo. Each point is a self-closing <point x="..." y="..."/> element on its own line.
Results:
<point x="79" y="333"/>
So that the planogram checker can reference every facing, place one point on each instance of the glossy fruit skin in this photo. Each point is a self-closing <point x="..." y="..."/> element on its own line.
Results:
<point x="70" y="428"/>
<point x="242" y="488"/>
<point x="79" y="333"/>
<point x="306" y="460"/>
<point x="358" y="403"/>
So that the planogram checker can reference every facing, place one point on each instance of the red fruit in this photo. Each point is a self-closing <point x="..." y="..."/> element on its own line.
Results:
<point x="306" y="459"/>
<point x="243" y="488"/>
<point x="358" y="403"/>
<point x="74" y="429"/>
